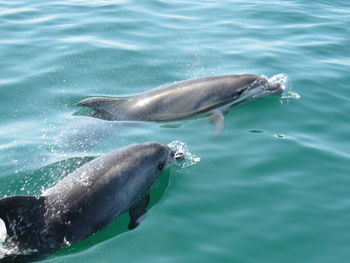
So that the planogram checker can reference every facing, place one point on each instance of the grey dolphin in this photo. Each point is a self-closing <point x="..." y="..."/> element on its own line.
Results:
<point x="87" y="199"/>
<point x="205" y="96"/>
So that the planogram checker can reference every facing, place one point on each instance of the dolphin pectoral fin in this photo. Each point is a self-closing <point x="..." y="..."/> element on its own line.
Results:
<point x="138" y="212"/>
<point x="217" y="119"/>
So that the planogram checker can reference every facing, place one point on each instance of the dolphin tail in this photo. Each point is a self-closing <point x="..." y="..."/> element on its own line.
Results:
<point x="105" y="108"/>
<point x="23" y="218"/>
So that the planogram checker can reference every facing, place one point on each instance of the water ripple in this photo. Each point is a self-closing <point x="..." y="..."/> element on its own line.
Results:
<point x="100" y="42"/>
<point x="277" y="165"/>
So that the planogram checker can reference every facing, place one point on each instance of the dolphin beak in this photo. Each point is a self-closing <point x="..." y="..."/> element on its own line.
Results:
<point x="275" y="88"/>
<point x="279" y="87"/>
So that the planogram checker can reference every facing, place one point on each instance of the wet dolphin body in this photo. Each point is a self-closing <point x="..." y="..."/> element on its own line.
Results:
<point x="207" y="96"/>
<point x="87" y="199"/>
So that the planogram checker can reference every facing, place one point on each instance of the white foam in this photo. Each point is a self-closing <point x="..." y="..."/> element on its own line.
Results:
<point x="190" y="159"/>
<point x="286" y="84"/>
<point x="3" y="231"/>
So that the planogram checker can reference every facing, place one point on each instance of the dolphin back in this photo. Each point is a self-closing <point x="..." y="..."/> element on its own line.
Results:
<point x="174" y="101"/>
<point x="191" y="97"/>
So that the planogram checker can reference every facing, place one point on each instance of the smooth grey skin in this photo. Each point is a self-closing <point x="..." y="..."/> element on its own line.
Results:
<point x="87" y="199"/>
<point x="205" y="96"/>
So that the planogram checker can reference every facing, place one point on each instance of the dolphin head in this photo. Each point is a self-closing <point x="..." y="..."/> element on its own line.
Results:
<point x="262" y="87"/>
<point x="160" y="155"/>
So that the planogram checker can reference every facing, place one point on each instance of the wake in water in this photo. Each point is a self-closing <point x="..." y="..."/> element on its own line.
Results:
<point x="86" y="133"/>
<point x="78" y="137"/>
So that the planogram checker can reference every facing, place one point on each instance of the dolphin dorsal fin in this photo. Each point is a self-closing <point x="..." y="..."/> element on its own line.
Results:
<point x="23" y="217"/>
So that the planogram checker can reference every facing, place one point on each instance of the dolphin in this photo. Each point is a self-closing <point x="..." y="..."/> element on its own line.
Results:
<point x="211" y="96"/>
<point x="86" y="200"/>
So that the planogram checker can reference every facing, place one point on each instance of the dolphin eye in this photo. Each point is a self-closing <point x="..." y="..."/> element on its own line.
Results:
<point x="161" y="165"/>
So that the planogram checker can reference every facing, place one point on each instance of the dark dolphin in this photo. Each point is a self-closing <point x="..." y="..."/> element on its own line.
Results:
<point x="207" y="96"/>
<point x="86" y="200"/>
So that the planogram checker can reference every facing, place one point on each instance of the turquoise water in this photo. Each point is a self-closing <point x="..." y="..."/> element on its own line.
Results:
<point x="273" y="188"/>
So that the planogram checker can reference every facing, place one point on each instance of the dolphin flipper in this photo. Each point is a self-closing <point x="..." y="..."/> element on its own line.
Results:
<point x="23" y="216"/>
<point x="137" y="212"/>
<point x="217" y="119"/>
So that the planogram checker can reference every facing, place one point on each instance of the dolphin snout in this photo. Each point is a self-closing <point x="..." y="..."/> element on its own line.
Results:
<point x="276" y="88"/>
<point x="279" y="86"/>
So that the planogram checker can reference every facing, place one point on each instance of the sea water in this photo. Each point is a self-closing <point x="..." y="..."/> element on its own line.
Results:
<point x="274" y="187"/>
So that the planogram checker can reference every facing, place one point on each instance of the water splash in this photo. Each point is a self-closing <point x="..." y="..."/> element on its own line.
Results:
<point x="287" y="86"/>
<point x="180" y="147"/>
<point x="10" y="251"/>
<point x="3" y="231"/>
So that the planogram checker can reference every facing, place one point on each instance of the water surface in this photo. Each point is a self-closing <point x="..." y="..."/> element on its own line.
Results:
<point x="273" y="188"/>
